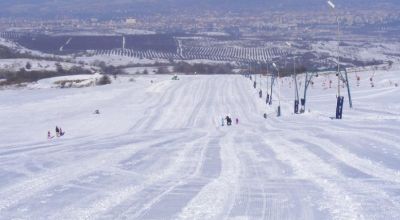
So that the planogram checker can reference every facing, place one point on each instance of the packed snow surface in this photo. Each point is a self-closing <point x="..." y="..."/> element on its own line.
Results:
<point x="158" y="151"/>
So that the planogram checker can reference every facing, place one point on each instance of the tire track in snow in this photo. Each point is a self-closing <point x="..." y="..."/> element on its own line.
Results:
<point x="180" y="182"/>
<point x="366" y="166"/>
<point x="283" y="197"/>
<point x="182" y="105"/>
<point x="190" y="176"/>
<point x="336" y="199"/>
<point x="151" y="110"/>
<point x="206" y="117"/>
<point x="374" y="200"/>
<point x="221" y="191"/>
<point x="205" y="92"/>
<point x="345" y="128"/>
<point x="27" y="188"/>
<point x="254" y="194"/>
<point x="114" y="198"/>
<point x="249" y="108"/>
<point x="175" y="96"/>
<point x="349" y="148"/>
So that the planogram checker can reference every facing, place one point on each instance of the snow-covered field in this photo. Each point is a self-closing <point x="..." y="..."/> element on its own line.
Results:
<point x="158" y="151"/>
<point x="36" y="65"/>
<point x="360" y="50"/>
<point x="117" y="60"/>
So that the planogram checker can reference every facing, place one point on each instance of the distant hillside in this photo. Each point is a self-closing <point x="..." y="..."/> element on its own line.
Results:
<point x="106" y="8"/>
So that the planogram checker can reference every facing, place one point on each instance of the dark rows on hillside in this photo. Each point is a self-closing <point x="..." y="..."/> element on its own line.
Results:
<point x="73" y="44"/>
<point x="81" y="43"/>
<point x="155" y="42"/>
<point x="232" y="53"/>
<point x="43" y="43"/>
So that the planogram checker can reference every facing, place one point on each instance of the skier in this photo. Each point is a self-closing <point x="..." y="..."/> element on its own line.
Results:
<point x="237" y="121"/>
<point x="265" y="115"/>
<point x="49" y="135"/>
<point x="61" y="132"/>
<point x="57" y="131"/>
<point x="228" y="121"/>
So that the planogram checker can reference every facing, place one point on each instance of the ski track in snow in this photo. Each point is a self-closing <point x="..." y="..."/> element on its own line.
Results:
<point x="158" y="151"/>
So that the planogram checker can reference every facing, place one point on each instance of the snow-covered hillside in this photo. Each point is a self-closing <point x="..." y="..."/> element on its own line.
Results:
<point x="36" y="65"/>
<point x="158" y="151"/>
<point x="22" y="50"/>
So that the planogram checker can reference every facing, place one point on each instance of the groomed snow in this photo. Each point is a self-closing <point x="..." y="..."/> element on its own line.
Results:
<point x="158" y="151"/>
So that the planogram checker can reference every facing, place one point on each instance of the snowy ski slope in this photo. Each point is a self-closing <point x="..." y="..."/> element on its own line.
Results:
<point x="157" y="151"/>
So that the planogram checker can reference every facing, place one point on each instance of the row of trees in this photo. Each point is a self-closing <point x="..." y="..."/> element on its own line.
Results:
<point x="201" y="68"/>
<point x="177" y="67"/>
<point x="231" y="53"/>
<point x="7" y="53"/>
<point x="24" y="76"/>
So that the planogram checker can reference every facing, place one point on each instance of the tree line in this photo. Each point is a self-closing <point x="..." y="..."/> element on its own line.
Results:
<point x="24" y="76"/>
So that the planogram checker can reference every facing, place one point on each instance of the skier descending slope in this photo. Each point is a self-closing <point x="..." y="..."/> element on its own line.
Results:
<point x="57" y="131"/>
<point x="61" y="132"/>
<point x="49" y="136"/>
<point x="228" y="121"/>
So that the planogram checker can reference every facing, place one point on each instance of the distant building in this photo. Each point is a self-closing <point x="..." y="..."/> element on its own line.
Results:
<point x="130" y="21"/>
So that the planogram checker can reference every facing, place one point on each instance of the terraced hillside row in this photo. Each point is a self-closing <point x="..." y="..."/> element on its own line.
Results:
<point x="152" y="46"/>
<point x="195" y="53"/>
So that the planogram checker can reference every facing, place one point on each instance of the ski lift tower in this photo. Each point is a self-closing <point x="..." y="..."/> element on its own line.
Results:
<point x="311" y="74"/>
<point x="270" y="85"/>
<point x="339" y="99"/>
<point x="279" y="91"/>
<point x="296" y="90"/>
<point x="259" y="65"/>
<point x="273" y="78"/>
<point x="307" y="81"/>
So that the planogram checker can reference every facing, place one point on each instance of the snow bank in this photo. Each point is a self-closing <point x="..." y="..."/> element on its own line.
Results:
<point x="75" y="81"/>
<point x="36" y="65"/>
